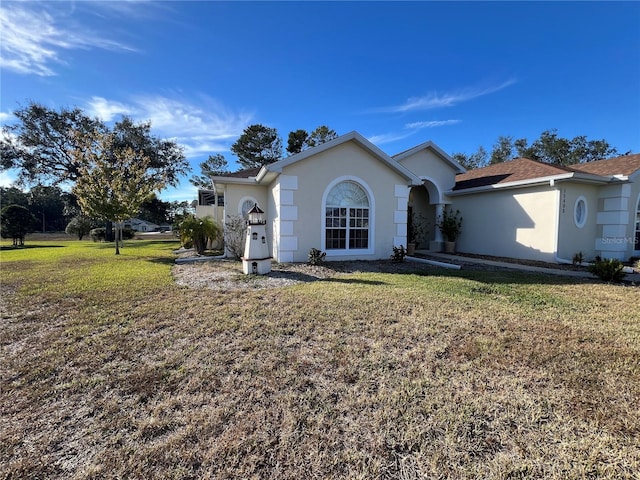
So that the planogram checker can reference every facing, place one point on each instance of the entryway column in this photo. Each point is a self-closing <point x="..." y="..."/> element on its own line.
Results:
<point x="437" y="244"/>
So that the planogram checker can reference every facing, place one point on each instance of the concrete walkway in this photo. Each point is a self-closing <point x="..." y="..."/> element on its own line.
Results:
<point x="457" y="259"/>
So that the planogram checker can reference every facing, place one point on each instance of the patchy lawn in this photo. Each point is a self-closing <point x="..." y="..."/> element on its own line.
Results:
<point x="111" y="370"/>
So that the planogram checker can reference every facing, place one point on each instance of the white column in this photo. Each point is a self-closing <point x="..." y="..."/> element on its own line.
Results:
<point x="438" y="242"/>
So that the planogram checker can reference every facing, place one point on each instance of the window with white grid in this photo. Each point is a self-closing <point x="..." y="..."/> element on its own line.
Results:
<point x="347" y="217"/>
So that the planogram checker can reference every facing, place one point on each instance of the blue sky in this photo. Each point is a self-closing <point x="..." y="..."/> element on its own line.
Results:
<point x="400" y="73"/>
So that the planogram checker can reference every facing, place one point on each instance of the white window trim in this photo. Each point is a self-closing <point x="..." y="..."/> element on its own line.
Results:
<point x="372" y="216"/>
<point x="581" y="224"/>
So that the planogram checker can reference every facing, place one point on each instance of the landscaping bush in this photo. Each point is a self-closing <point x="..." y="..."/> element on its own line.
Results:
<point x="609" y="270"/>
<point x="128" y="233"/>
<point x="98" y="234"/>
<point x="316" y="257"/>
<point x="235" y="231"/>
<point x="398" y="254"/>
<point x="79" y="225"/>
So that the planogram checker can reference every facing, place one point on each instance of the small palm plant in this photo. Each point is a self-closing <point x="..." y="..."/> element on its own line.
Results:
<point x="198" y="231"/>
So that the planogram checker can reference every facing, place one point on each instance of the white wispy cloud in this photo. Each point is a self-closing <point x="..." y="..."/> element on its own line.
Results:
<point x="408" y="130"/>
<point x="435" y="100"/>
<point x="5" y="117"/>
<point x="34" y="38"/>
<point x="383" y="138"/>
<point x="201" y="127"/>
<point x="106" y="110"/>
<point x="431" y="124"/>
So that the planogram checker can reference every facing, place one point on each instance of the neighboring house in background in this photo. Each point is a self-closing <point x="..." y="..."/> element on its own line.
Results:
<point x="350" y="199"/>
<point x="532" y="210"/>
<point x="139" y="225"/>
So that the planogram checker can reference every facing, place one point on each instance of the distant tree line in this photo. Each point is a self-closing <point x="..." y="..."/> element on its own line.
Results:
<point x="53" y="209"/>
<point x="548" y="148"/>
<point x="111" y="172"/>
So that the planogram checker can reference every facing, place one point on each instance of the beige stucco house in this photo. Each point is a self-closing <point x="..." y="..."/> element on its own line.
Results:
<point x="351" y="200"/>
<point x="345" y="197"/>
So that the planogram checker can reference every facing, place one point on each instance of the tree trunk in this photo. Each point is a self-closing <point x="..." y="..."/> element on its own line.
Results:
<point x="117" y="239"/>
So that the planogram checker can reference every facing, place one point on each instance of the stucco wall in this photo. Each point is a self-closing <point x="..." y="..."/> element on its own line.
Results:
<point x="616" y="219"/>
<point x="234" y="196"/>
<point x="509" y="223"/>
<point x="347" y="161"/>
<point x="572" y="238"/>
<point x="426" y="164"/>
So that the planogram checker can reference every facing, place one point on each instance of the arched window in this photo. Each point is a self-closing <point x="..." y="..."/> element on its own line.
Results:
<point x="246" y="204"/>
<point x="347" y="217"/>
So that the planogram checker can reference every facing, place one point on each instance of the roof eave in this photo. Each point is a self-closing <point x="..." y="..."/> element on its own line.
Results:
<point x="233" y="180"/>
<point x="548" y="180"/>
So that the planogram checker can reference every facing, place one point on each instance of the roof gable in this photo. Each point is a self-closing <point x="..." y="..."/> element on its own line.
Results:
<point x="270" y="171"/>
<point x="429" y="145"/>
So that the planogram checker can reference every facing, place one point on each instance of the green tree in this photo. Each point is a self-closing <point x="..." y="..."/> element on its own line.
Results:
<point x="16" y="222"/>
<point x="166" y="157"/>
<point x="41" y="145"/>
<point x="114" y="179"/>
<point x="47" y="203"/>
<point x="321" y="135"/>
<point x="178" y="211"/>
<point x="550" y="148"/>
<point x="154" y="210"/>
<point x="13" y="196"/>
<point x="502" y="150"/>
<point x="477" y="159"/>
<point x="300" y="140"/>
<point x="297" y="141"/>
<point x="257" y="146"/>
<point x="215" y="165"/>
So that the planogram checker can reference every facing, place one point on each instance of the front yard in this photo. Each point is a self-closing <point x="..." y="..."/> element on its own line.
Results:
<point x="110" y="369"/>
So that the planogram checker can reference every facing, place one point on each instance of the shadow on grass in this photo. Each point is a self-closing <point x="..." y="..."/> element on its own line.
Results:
<point x="508" y="276"/>
<point x="352" y="281"/>
<point x="162" y="260"/>
<point x="479" y="273"/>
<point x="7" y="248"/>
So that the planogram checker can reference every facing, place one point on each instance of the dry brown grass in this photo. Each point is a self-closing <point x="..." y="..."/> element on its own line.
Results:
<point x="431" y="374"/>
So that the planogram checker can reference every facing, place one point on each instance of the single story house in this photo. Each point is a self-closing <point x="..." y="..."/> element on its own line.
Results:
<point x="351" y="200"/>
<point x="140" y="225"/>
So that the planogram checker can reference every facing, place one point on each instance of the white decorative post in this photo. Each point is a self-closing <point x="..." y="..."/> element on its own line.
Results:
<point x="256" y="259"/>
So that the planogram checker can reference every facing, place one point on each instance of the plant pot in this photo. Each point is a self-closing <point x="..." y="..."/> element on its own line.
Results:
<point x="411" y="248"/>
<point x="449" y="247"/>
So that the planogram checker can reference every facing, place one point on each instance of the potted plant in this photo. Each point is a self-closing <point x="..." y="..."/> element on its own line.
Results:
<point x="450" y="224"/>
<point x="418" y="229"/>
